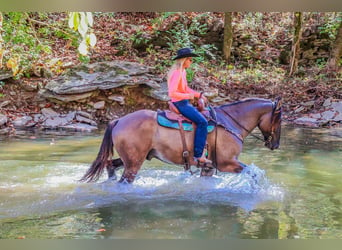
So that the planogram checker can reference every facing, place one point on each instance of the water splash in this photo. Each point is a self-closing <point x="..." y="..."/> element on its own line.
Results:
<point x="246" y="189"/>
<point x="58" y="190"/>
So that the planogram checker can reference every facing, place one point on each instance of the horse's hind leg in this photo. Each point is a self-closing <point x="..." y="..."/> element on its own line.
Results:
<point x="132" y="166"/>
<point x="116" y="163"/>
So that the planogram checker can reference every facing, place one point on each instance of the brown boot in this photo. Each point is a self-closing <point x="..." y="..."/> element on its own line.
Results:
<point x="202" y="160"/>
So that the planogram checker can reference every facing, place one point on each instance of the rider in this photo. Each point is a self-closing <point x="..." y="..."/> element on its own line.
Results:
<point x="181" y="94"/>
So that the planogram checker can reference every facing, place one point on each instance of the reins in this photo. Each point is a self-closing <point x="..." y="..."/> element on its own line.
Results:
<point x="243" y="127"/>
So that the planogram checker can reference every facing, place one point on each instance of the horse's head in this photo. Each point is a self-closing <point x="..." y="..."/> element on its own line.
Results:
<point x="270" y="125"/>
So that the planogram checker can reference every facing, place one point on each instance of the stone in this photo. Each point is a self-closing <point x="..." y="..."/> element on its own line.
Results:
<point x="70" y="116"/>
<point x="4" y="103"/>
<point x="83" y="119"/>
<point x="337" y="106"/>
<point x="327" y="102"/>
<point x="328" y="115"/>
<point x="55" y="122"/>
<point x="3" y="119"/>
<point x="79" y="127"/>
<point x="84" y="114"/>
<point x="99" y="105"/>
<point x="316" y="116"/>
<point x="338" y="118"/>
<point x="81" y="82"/>
<point x="5" y="131"/>
<point x="49" y="112"/>
<point x="5" y="74"/>
<point x="306" y="121"/>
<point x="309" y="103"/>
<point x="160" y="93"/>
<point x="117" y="98"/>
<point x="24" y="121"/>
<point x="63" y="98"/>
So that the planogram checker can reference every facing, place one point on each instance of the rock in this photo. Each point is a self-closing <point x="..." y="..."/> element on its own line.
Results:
<point x="160" y="93"/>
<point x="99" y="105"/>
<point x="79" y="127"/>
<point x="5" y="74"/>
<point x="64" y="98"/>
<point x="38" y="118"/>
<point x="55" y="122"/>
<point x="49" y="112"/>
<point x="5" y="131"/>
<point x="307" y="121"/>
<point x="297" y="110"/>
<point x="337" y="106"/>
<point x="22" y="122"/>
<point x="84" y="114"/>
<point x="85" y="120"/>
<point x="316" y="116"/>
<point x="3" y="119"/>
<point x="338" y="118"/>
<point x="4" y="103"/>
<point x="309" y="103"/>
<point x="327" y="102"/>
<point x="117" y="98"/>
<point x="71" y="116"/>
<point x="81" y="81"/>
<point x="328" y="115"/>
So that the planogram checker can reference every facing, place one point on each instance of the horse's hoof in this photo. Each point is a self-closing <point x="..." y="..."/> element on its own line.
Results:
<point x="207" y="171"/>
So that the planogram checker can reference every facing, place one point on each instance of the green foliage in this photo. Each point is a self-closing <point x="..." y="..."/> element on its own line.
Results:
<point x="185" y="32"/>
<point x="331" y="25"/>
<point x="21" y="43"/>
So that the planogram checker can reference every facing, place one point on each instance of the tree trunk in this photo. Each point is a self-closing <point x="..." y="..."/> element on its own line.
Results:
<point x="336" y="51"/>
<point x="228" y="35"/>
<point x="298" y="18"/>
<point x="1" y="41"/>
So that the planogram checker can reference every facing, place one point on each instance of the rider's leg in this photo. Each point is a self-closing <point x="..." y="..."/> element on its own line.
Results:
<point x="194" y="115"/>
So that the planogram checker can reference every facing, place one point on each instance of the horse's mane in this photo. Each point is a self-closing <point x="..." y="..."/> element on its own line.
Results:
<point x="243" y="101"/>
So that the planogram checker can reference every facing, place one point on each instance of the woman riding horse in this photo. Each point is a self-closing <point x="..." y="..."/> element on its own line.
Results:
<point x="181" y="94"/>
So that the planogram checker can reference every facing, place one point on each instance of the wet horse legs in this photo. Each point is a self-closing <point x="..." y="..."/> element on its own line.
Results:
<point x="116" y="164"/>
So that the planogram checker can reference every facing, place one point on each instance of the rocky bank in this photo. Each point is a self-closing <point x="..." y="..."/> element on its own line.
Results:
<point x="90" y="95"/>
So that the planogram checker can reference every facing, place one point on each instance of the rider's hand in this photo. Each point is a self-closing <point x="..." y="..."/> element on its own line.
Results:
<point x="204" y="99"/>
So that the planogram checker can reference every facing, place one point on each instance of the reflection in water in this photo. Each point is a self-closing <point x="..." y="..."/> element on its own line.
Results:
<point x="294" y="192"/>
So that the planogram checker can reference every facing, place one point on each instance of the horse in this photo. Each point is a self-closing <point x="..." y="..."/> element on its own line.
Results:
<point x="137" y="137"/>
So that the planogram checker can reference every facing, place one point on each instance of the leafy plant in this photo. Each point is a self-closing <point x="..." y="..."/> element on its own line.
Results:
<point x="82" y="22"/>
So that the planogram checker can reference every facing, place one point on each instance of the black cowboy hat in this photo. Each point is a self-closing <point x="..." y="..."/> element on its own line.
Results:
<point x="185" y="52"/>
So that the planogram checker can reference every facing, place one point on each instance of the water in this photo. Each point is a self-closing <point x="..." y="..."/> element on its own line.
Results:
<point x="293" y="192"/>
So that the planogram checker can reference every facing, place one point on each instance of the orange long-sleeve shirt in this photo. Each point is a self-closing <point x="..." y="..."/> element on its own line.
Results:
<point x="178" y="86"/>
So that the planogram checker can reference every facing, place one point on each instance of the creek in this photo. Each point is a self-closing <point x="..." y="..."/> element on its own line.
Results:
<point x="292" y="192"/>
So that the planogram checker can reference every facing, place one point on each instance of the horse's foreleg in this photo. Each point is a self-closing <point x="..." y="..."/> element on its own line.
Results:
<point x="207" y="171"/>
<point x="116" y="163"/>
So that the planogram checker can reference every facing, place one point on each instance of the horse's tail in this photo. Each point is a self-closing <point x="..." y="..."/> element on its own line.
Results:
<point x="104" y="157"/>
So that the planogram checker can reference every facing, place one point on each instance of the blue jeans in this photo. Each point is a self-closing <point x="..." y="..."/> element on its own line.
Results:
<point x="190" y="112"/>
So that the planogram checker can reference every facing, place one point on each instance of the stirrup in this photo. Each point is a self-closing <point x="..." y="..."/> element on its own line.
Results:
<point x="202" y="160"/>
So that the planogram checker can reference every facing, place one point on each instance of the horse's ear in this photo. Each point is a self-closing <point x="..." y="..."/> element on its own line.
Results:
<point x="278" y="103"/>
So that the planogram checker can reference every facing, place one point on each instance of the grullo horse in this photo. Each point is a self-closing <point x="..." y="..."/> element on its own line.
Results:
<point x="138" y="136"/>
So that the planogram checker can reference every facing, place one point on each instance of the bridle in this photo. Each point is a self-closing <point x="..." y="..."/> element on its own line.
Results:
<point x="276" y="112"/>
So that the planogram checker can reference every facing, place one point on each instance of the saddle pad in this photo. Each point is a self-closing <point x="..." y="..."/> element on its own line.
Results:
<point x="163" y="121"/>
